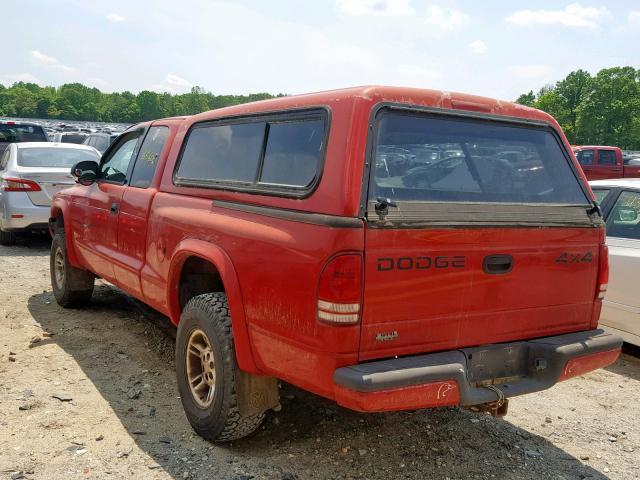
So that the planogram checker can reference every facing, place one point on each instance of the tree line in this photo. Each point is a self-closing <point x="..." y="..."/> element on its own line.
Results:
<point x="601" y="109"/>
<point x="74" y="101"/>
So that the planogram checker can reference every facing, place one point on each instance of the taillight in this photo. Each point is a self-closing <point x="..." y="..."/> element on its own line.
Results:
<point x="340" y="290"/>
<point x="19" y="185"/>
<point x="603" y="272"/>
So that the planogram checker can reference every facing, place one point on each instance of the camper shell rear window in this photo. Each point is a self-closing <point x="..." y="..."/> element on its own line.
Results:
<point x="430" y="157"/>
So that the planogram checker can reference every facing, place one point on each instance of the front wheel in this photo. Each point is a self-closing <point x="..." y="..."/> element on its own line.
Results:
<point x="72" y="286"/>
<point x="207" y="372"/>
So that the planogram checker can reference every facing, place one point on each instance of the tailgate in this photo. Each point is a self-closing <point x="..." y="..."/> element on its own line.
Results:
<point x="431" y="290"/>
<point x="490" y="238"/>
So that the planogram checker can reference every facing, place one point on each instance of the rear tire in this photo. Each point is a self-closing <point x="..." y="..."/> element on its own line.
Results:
<point x="7" y="238"/>
<point x="72" y="286"/>
<point x="205" y="351"/>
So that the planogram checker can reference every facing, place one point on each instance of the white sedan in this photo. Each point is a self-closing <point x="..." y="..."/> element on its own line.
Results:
<point x="30" y="174"/>
<point x="620" y="203"/>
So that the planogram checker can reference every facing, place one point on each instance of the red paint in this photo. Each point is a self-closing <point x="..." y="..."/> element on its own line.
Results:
<point x="271" y="268"/>
<point x="428" y="395"/>
<point x="586" y="363"/>
<point x="600" y="170"/>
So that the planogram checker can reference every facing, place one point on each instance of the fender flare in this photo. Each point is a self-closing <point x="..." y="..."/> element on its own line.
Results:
<point x="222" y="262"/>
<point x="61" y="206"/>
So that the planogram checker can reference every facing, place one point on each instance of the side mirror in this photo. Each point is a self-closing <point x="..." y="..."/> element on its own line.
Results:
<point x="628" y="214"/>
<point x="86" y="172"/>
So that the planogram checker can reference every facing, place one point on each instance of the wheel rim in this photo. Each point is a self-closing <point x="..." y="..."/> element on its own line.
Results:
<point x="201" y="368"/>
<point x="58" y="268"/>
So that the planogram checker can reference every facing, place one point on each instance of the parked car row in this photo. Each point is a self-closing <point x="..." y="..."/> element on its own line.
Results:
<point x="247" y="227"/>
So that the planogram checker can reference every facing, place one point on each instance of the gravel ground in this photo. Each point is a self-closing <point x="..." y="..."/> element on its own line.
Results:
<point x="91" y="394"/>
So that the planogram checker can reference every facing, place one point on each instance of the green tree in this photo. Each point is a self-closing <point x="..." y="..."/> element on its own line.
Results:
<point x="527" y="99"/>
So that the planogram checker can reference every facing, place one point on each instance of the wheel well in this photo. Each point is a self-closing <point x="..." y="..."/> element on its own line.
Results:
<point x="198" y="276"/>
<point x="59" y="221"/>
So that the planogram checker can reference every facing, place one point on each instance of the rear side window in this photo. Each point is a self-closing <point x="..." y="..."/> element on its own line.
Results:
<point x="280" y="152"/>
<point x="223" y="152"/>
<point x="606" y="157"/>
<point x="585" y="157"/>
<point x="293" y="153"/>
<point x="147" y="161"/>
<point x="435" y="158"/>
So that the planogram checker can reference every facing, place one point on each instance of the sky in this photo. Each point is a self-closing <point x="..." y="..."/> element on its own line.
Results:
<point x="494" y="48"/>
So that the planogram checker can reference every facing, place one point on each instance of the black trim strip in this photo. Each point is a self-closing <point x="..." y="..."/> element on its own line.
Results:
<point x="321" y="219"/>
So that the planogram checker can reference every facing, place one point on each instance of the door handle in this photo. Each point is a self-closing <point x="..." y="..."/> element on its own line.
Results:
<point x="497" y="264"/>
<point x="114" y="208"/>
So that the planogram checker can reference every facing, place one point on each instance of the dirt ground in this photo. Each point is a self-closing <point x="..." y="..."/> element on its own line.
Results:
<point x="117" y="413"/>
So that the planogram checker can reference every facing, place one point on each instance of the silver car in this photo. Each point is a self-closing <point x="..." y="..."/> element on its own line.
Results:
<point x="620" y="203"/>
<point x="31" y="173"/>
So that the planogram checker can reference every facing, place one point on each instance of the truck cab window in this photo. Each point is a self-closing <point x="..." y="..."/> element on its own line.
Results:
<point x="147" y="160"/>
<point x="585" y="157"/>
<point x="606" y="157"/>
<point x="114" y="168"/>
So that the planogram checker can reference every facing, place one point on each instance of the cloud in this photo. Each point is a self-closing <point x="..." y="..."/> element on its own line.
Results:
<point x="114" y="17"/>
<point x="634" y="18"/>
<point x="49" y="61"/>
<point x="478" y="47"/>
<point x="445" y="18"/>
<point x="98" y="83"/>
<point x="574" y="15"/>
<point x="172" y="84"/>
<point x="375" y="7"/>
<point x="531" y="71"/>
<point x="176" y="81"/>
<point x="11" y="78"/>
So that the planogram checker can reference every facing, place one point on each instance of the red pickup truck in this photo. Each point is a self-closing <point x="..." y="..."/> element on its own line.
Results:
<point x="387" y="248"/>
<point x="599" y="163"/>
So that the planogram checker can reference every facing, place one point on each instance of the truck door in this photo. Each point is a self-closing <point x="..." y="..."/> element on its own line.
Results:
<point x="97" y="212"/>
<point x="608" y="165"/>
<point x="134" y="209"/>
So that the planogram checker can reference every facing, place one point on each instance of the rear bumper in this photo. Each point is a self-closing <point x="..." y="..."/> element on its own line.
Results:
<point x="458" y="377"/>
<point x="20" y="214"/>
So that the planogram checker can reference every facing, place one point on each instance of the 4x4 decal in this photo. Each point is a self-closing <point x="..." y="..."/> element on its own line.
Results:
<point x="575" y="258"/>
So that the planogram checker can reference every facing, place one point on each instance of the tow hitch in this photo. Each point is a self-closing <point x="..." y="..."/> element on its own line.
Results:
<point x="499" y="408"/>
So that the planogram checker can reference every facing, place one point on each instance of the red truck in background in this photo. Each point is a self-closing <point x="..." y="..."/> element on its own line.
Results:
<point x="601" y="162"/>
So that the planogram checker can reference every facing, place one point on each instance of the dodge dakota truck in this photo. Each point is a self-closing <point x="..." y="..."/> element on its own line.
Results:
<point x="385" y="248"/>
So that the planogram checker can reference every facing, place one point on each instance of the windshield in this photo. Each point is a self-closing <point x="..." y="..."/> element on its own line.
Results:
<point x="21" y="133"/>
<point x="54" y="157"/>
<point x="427" y="157"/>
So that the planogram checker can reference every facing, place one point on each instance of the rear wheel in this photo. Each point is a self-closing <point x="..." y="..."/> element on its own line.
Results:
<point x="7" y="238"/>
<point x="71" y="286"/>
<point x="207" y="372"/>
